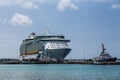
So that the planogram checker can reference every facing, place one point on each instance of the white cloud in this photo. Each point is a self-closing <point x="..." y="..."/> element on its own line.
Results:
<point x="5" y="2"/>
<point x="94" y="0"/>
<point x="101" y="0"/>
<point x="115" y="6"/>
<point x="29" y="5"/>
<point x="26" y="4"/>
<point x="48" y="1"/>
<point x="20" y="20"/>
<point x="64" y="4"/>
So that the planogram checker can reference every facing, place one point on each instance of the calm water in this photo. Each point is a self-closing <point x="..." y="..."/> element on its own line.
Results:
<point x="59" y="72"/>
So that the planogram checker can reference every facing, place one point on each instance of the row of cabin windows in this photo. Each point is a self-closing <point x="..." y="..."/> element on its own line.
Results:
<point x="57" y="45"/>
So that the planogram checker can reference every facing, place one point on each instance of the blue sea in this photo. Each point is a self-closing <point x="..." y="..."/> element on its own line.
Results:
<point x="59" y="72"/>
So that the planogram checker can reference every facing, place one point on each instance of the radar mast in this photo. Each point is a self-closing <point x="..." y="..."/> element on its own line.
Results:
<point x="103" y="48"/>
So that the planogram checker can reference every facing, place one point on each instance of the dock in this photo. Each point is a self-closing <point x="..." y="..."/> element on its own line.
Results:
<point x="65" y="61"/>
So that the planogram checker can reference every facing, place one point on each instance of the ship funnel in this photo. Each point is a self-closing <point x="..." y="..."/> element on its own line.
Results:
<point x="32" y="35"/>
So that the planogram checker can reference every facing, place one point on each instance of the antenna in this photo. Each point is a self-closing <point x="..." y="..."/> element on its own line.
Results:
<point x="84" y="53"/>
<point x="98" y="51"/>
<point x="47" y="31"/>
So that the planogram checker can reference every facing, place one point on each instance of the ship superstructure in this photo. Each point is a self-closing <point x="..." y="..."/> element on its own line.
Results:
<point x="46" y="45"/>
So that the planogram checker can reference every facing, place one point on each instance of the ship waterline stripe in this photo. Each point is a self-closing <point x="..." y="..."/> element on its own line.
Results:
<point x="32" y="52"/>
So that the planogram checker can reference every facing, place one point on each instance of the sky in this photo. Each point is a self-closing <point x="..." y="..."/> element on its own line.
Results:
<point x="87" y="23"/>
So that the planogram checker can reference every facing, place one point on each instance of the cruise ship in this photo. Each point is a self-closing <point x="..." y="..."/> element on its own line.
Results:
<point x="44" y="46"/>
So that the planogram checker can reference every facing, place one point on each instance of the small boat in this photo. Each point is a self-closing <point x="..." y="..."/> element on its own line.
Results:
<point x="104" y="57"/>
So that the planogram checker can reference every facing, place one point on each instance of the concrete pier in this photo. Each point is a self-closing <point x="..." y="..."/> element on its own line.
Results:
<point x="65" y="61"/>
